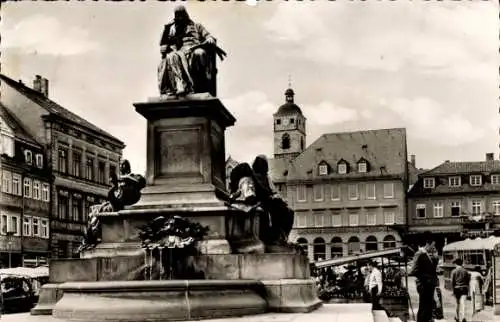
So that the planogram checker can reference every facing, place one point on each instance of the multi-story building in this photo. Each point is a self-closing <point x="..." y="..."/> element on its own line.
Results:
<point x="455" y="200"/>
<point x="25" y="196"/>
<point x="347" y="189"/>
<point x="80" y="156"/>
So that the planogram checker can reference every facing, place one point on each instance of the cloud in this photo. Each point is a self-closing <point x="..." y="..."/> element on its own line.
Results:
<point x="52" y="38"/>
<point x="327" y="113"/>
<point x="427" y="119"/>
<point x="420" y="37"/>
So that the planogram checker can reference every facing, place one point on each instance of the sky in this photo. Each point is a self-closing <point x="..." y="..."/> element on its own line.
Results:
<point x="431" y="67"/>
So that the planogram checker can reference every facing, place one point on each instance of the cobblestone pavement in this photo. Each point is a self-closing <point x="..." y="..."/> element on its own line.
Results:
<point x="449" y="305"/>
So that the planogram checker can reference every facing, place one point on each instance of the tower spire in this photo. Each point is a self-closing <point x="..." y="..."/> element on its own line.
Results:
<point x="289" y="81"/>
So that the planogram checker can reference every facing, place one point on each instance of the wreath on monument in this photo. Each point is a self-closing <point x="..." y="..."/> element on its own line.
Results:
<point x="171" y="245"/>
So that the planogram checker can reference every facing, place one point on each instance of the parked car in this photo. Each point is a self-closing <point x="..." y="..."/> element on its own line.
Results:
<point x="17" y="294"/>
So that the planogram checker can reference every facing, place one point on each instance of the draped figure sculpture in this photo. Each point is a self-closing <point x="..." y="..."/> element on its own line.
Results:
<point x="188" y="57"/>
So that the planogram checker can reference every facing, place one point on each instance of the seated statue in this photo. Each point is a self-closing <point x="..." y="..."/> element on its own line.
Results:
<point x="275" y="232"/>
<point x="125" y="191"/>
<point x="188" y="57"/>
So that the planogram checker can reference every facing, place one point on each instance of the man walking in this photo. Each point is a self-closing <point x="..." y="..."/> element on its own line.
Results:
<point x="423" y="267"/>
<point x="460" y="279"/>
<point x="375" y="285"/>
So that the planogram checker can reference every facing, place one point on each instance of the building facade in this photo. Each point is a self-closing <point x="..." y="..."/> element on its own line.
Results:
<point x="80" y="156"/>
<point x="348" y="190"/>
<point x="25" y="196"/>
<point x="456" y="200"/>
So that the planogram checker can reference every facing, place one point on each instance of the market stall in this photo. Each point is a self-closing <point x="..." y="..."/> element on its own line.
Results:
<point x="342" y="279"/>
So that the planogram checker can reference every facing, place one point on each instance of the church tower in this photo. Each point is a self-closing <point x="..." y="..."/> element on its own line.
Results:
<point x="289" y="129"/>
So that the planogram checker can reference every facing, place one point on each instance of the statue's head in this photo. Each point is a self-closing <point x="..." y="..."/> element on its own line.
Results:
<point x="260" y="164"/>
<point x="239" y="171"/>
<point x="181" y="16"/>
<point x="124" y="167"/>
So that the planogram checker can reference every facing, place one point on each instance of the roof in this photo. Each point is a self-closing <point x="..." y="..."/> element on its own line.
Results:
<point x="471" y="244"/>
<point x="15" y="124"/>
<point x="289" y="107"/>
<point x="413" y="173"/>
<point x="384" y="150"/>
<point x="54" y="108"/>
<point x="448" y="167"/>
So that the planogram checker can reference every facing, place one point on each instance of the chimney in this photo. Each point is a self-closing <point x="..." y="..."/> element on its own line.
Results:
<point x="44" y="88"/>
<point x="490" y="156"/>
<point x="412" y="160"/>
<point x="37" y="83"/>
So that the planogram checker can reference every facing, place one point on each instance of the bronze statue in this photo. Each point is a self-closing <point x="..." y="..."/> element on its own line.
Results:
<point x="125" y="191"/>
<point x="188" y="57"/>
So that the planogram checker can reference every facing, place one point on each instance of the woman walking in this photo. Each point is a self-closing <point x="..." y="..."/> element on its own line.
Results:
<point x="475" y="287"/>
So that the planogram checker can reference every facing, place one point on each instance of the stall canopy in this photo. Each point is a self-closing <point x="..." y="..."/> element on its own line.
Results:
<point x="353" y="258"/>
<point x="473" y="244"/>
<point x="36" y="272"/>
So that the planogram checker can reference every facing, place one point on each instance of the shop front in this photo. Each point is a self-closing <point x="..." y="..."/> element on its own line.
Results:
<point x="35" y="252"/>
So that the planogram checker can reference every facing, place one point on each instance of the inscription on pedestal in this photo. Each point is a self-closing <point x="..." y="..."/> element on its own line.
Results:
<point x="179" y="152"/>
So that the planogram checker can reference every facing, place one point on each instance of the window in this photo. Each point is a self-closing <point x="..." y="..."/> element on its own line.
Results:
<point x="323" y="169"/>
<point x="342" y="168"/>
<point x="336" y="220"/>
<point x="90" y="168"/>
<point x="27" y="226"/>
<point x="27" y="187"/>
<point x="77" y="208"/>
<point x="302" y="220"/>
<point x="7" y="145"/>
<point x="429" y="183"/>
<point x="319" y="220"/>
<point x="301" y="193"/>
<point x="389" y="218"/>
<point x="371" y="244"/>
<point x="455" y="208"/>
<point x="16" y="184"/>
<point x="371" y="219"/>
<point x="421" y="210"/>
<point x="496" y="207"/>
<point x="39" y="160"/>
<point x="4" y="221"/>
<point x="362" y="167"/>
<point x="495" y="179"/>
<point x="318" y="192"/>
<point x="388" y="190"/>
<point x="278" y="122"/>
<point x="36" y="190"/>
<point x="438" y="210"/>
<point x="353" y="220"/>
<point x="14" y="225"/>
<point x="62" y="161"/>
<point x="36" y="227"/>
<point x="76" y="164"/>
<point x="335" y="192"/>
<point x="370" y="191"/>
<point x="353" y="192"/>
<point x="62" y="206"/>
<point x="475" y="180"/>
<point x="28" y="156"/>
<point x="7" y="181"/>
<point x="455" y="181"/>
<point x="389" y="242"/>
<point x="476" y="207"/>
<point x="44" y="228"/>
<point x="45" y="192"/>
<point x="292" y="121"/>
<point x="285" y="141"/>
<point x="101" y="172"/>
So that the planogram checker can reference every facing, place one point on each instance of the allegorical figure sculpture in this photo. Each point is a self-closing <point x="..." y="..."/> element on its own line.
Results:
<point x="125" y="191"/>
<point x="188" y="57"/>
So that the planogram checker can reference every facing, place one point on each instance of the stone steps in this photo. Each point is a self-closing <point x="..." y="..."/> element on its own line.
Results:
<point x="381" y="316"/>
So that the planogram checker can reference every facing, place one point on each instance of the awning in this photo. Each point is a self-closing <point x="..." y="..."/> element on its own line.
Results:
<point x="354" y="258"/>
<point x="40" y="271"/>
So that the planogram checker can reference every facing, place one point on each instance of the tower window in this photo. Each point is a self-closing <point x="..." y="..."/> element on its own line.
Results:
<point x="285" y="141"/>
<point x="278" y="121"/>
<point x="292" y="121"/>
<point x="301" y="143"/>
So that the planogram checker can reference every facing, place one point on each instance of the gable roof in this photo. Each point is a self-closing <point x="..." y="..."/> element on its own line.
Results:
<point x="384" y="149"/>
<point x="448" y="168"/>
<point x="55" y="109"/>
<point x="15" y="124"/>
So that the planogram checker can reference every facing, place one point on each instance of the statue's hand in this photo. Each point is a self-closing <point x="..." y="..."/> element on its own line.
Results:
<point x="210" y="41"/>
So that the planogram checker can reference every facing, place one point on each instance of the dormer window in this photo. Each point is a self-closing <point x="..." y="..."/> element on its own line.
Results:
<point x="495" y="179"/>
<point x="455" y="181"/>
<point x="323" y="169"/>
<point x="362" y="166"/>
<point x="475" y="180"/>
<point x="429" y="183"/>
<point x="39" y="161"/>
<point x="28" y="156"/>
<point x="342" y="168"/>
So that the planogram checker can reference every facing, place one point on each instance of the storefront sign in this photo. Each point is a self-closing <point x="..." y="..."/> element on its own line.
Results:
<point x="10" y="244"/>
<point x="35" y="244"/>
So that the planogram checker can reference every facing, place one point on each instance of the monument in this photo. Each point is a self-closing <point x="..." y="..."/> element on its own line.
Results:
<point x="232" y="244"/>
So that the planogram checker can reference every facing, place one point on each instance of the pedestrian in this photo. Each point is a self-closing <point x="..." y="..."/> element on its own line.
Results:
<point x="475" y="287"/>
<point x="375" y="285"/>
<point x="366" y="284"/>
<point x="423" y="267"/>
<point x="460" y="279"/>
